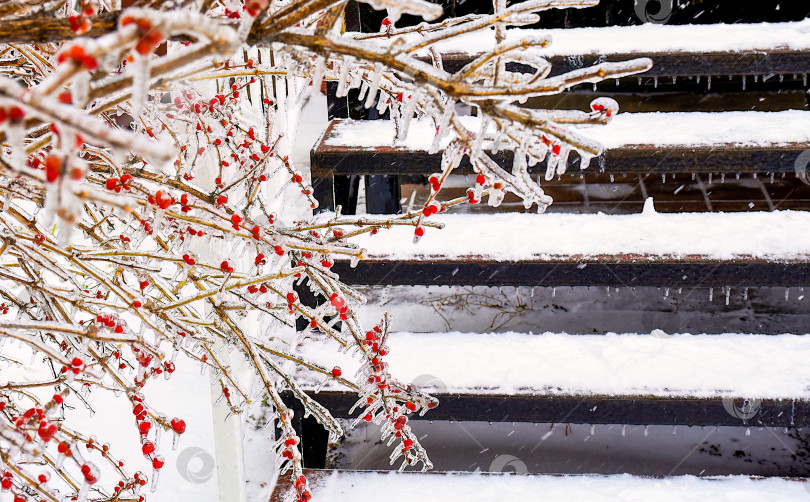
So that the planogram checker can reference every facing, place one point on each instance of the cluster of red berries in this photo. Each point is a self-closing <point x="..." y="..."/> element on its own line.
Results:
<point x="435" y="184"/>
<point x="116" y="184"/>
<point x="90" y="473"/>
<point x="261" y="289"/>
<point x="13" y="114"/>
<point x="110" y="321"/>
<point x="291" y="299"/>
<point x="80" y="23"/>
<point x="161" y="199"/>
<point x="340" y="305"/>
<point x="76" y="366"/>
<point x="289" y="446"/>
<point x="76" y="54"/>
<point x="304" y="495"/>
<point x="7" y="482"/>
<point x="432" y="208"/>
<point x="138" y="481"/>
<point x="149" y="36"/>
<point x="601" y="108"/>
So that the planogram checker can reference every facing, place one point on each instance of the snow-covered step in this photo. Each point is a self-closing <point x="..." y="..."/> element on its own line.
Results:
<point x="340" y="486"/>
<point x="643" y="379"/>
<point x="647" y="249"/>
<point x="708" y="142"/>
<point x="763" y="49"/>
<point x="736" y="39"/>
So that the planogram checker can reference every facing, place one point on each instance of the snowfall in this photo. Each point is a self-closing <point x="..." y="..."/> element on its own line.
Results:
<point x="537" y="361"/>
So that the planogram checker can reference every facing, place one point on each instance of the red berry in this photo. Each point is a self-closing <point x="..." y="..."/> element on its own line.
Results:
<point x="53" y="166"/>
<point x="148" y="448"/>
<point x="178" y="425"/>
<point x="336" y="371"/>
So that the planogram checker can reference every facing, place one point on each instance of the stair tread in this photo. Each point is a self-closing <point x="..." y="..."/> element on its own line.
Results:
<point x="658" y="38"/>
<point x="471" y="487"/>
<point x="697" y="130"/>
<point x="619" y="365"/>
<point x="776" y="236"/>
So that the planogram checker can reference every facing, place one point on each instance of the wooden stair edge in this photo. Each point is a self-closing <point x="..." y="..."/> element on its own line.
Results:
<point x="596" y="409"/>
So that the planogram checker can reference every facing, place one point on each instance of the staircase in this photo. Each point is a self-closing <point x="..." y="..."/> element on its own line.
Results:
<point x="695" y="215"/>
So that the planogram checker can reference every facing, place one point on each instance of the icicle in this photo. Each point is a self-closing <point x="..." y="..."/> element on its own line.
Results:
<point x="711" y="293"/>
<point x="140" y="71"/>
<point x="374" y="86"/>
<point x="709" y="84"/>
<point x="479" y="138"/>
<point x="382" y="104"/>
<point x="743" y="82"/>
<point x="157" y="464"/>
<point x="728" y="294"/>
<point x="343" y="81"/>
<point x="80" y="88"/>
<point x="551" y="167"/>
<point x="771" y="177"/>
<point x="15" y="133"/>
<point x="745" y="294"/>
<point x="624" y="429"/>
<point x="562" y="162"/>
<point x="593" y="429"/>
<point x="747" y="431"/>
<point x="787" y="294"/>
<point x="674" y="429"/>
<point x="320" y="68"/>
<point x="655" y="82"/>
<point x="553" y="292"/>
<point x="584" y="161"/>
<point x="442" y="128"/>
<point x="646" y="430"/>
<point x="710" y="178"/>
<point x="90" y="473"/>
